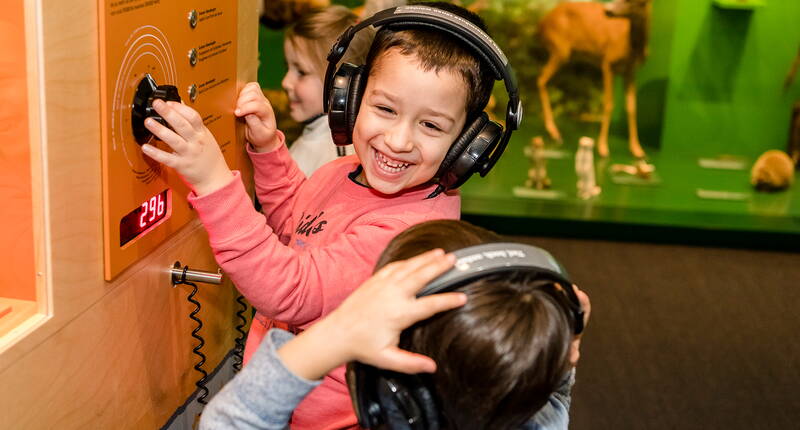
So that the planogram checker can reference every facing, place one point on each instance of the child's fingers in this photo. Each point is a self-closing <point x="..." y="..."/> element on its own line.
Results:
<point x="163" y="157"/>
<point x="428" y="306"/>
<point x="166" y="135"/>
<point x="399" y="360"/>
<point x="400" y="270"/>
<point x="251" y="86"/>
<point x="190" y="115"/>
<point x="586" y="305"/>
<point x="430" y="267"/>
<point x="256" y="129"/>
<point x="173" y="118"/>
<point x="249" y="93"/>
<point x="254" y="107"/>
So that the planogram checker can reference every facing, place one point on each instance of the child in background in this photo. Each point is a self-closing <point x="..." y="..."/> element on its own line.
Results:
<point x="371" y="7"/>
<point x="306" y="45"/>
<point x="322" y="235"/>
<point x="518" y="374"/>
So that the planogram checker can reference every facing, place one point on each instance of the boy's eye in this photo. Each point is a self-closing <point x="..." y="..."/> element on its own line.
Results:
<point x="385" y="109"/>
<point x="430" y="125"/>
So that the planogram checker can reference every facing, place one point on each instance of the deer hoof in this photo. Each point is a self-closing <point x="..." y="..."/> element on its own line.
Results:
<point x="555" y="135"/>
<point x="638" y="152"/>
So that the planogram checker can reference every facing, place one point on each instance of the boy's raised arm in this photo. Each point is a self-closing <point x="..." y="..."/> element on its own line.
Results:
<point x="261" y="131"/>
<point x="291" y="285"/>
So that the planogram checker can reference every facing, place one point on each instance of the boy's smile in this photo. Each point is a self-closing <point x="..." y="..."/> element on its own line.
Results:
<point x="406" y="123"/>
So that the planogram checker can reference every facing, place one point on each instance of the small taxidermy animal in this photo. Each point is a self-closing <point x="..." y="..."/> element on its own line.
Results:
<point x="772" y="171"/>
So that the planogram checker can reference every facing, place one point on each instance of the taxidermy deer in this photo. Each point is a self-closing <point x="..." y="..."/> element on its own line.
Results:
<point x="614" y="33"/>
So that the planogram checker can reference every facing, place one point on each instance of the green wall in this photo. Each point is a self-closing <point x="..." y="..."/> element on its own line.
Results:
<point x="271" y="68"/>
<point x="725" y="92"/>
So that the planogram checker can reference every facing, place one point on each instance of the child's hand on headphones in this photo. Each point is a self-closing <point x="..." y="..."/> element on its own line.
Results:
<point x="196" y="155"/>
<point x="586" y="306"/>
<point x="367" y="325"/>
<point x="262" y="131"/>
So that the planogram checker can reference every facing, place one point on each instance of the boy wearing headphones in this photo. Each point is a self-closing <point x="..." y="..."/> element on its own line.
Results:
<point x="414" y="114"/>
<point x="500" y="354"/>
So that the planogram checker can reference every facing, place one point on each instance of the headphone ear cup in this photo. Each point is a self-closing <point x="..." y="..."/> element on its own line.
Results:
<point x="461" y="143"/>
<point x="473" y="146"/>
<point x="361" y="383"/>
<point x="354" y="99"/>
<point x="426" y="401"/>
<point x="340" y="101"/>
<point x="400" y="402"/>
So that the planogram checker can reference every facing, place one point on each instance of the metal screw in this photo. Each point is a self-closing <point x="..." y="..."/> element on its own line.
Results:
<point x="193" y="56"/>
<point x="193" y="18"/>
<point x="192" y="92"/>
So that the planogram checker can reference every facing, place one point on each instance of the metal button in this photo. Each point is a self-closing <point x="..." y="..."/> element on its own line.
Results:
<point x="193" y="56"/>
<point x="193" y="18"/>
<point x="192" y="92"/>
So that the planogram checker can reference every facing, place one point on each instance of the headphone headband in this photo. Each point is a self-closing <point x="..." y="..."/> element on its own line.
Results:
<point x="481" y="260"/>
<point x="422" y="16"/>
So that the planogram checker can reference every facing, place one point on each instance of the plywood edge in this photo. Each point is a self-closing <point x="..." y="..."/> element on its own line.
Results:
<point x="36" y="109"/>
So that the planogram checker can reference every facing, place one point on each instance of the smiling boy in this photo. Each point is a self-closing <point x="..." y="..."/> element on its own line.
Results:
<point x="322" y="235"/>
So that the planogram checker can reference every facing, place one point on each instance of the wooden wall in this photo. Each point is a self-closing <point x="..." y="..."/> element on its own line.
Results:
<point x="100" y="354"/>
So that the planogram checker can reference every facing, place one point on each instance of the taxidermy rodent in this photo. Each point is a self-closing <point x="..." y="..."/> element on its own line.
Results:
<point x="772" y="171"/>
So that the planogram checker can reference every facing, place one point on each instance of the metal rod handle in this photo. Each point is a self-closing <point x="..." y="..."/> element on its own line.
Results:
<point x="181" y="274"/>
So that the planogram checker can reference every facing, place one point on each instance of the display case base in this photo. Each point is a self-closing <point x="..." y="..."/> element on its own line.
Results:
<point x="683" y="200"/>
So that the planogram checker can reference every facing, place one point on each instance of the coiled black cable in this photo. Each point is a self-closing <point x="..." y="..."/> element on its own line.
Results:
<point x="238" y="349"/>
<point x="200" y="383"/>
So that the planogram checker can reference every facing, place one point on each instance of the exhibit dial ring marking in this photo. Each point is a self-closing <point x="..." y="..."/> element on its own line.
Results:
<point x="146" y="46"/>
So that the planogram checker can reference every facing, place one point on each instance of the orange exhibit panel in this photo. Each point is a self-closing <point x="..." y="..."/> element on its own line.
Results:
<point x="18" y="286"/>
<point x="175" y="50"/>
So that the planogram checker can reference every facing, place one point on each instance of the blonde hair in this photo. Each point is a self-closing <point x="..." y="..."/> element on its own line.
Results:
<point x="315" y="32"/>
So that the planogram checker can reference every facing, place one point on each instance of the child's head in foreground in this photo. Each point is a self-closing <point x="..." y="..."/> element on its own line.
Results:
<point x="305" y="46"/>
<point x="423" y="85"/>
<point x="501" y="355"/>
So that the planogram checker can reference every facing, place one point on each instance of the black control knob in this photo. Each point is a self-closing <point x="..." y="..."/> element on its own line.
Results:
<point x="142" y="107"/>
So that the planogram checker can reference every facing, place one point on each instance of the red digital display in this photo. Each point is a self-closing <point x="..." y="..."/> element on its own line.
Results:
<point x="145" y="217"/>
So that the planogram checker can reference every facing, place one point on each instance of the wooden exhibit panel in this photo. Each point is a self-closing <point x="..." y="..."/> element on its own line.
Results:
<point x="190" y="46"/>
<point x="108" y="354"/>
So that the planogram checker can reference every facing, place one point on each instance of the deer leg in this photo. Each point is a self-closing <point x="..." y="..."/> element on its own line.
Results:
<point x="549" y="69"/>
<point x="630" y="106"/>
<point x="608" y="107"/>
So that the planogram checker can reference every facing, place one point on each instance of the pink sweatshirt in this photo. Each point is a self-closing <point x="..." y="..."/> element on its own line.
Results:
<point x="320" y="240"/>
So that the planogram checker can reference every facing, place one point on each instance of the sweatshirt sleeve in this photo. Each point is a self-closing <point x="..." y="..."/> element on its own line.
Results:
<point x="277" y="179"/>
<point x="554" y="415"/>
<point x="296" y="286"/>
<point x="261" y="396"/>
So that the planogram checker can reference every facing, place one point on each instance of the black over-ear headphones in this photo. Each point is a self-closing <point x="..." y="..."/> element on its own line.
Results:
<point x="481" y="142"/>
<point x="401" y="401"/>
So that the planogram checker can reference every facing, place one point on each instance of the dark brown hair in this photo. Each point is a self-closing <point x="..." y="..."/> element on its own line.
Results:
<point x="501" y="355"/>
<point x="436" y="50"/>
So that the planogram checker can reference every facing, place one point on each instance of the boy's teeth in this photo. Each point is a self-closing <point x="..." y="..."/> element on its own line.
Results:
<point x="389" y="165"/>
